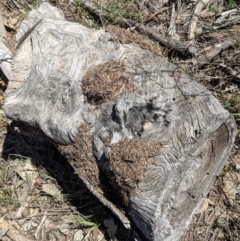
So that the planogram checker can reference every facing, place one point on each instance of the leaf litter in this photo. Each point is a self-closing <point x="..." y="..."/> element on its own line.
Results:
<point x="218" y="216"/>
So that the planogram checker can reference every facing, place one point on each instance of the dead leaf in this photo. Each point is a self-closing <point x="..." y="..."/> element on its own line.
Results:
<point x="3" y="227"/>
<point x="14" y="21"/>
<point x="229" y="187"/>
<point x="238" y="177"/>
<point x="19" y="183"/>
<point x="111" y="227"/>
<point x="29" y="170"/>
<point x="238" y="166"/>
<point x="1" y="98"/>
<point x="8" y="23"/>
<point x="11" y="22"/>
<point x="64" y="229"/>
<point x="100" y="236"/>
<point x="39" y="181"/>
<point x="51" y="189"/>
<point x="204" y="205"/>
<point x="3" y="232"/>
<point x="2" y="83"/>
<point x="14" y="233"/>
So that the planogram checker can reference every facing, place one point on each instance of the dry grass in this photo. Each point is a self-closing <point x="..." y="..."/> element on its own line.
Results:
<point x="129" y="160"/>
<point x="34" y="207"/>
<point x="219" y="216"/>
<point x="106" y="81"/>
<point x="127" y="37"/>
<point x="80" y="155"/>
<point x="41" y="197"/>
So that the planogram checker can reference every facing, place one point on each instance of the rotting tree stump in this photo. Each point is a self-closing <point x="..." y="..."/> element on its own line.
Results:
<point x="119" y="112"/>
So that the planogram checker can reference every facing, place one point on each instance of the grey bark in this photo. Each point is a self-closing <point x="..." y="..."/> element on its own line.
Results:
<point x="167" y="107"/>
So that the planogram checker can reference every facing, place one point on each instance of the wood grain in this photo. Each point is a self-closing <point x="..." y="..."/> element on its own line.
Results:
<point x="165" y="107"/>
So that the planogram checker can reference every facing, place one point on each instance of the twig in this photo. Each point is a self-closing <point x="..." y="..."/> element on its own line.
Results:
<point x="183" y="49"/>
<point x="13" y="233"/>
<point x="24" y="199"/>
<point x="162" y="2"/>
<point x="172" y="25"/>
<point x="193" y="23"/>
<point x="225" y="19"/>
<point x="40" y="226"/>
<point x="227" y="16"/>
<point x="21" y="40"/>
<point x="208" y="56"/>
<point x="149" y="18"/>
<point x="24" y="3"/>
<point x="125" y="221"/>
<point x="235" y="74"/>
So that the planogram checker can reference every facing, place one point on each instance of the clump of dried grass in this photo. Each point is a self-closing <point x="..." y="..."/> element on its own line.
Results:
<point x="129" y="161"/>
<point x="106" y="81"/>
<point x="80" y="155"/>
<point x="127" y="37"/>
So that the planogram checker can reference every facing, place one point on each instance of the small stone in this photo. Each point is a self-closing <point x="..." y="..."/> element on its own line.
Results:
<point x="78" y="236"/>
<point x="238" y="166"/>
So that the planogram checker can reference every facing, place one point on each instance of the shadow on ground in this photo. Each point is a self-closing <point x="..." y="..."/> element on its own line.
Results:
<point x="45" y="155"/>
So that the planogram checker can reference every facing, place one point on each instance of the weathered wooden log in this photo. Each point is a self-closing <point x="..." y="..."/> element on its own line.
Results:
<point x="114" y="110"/>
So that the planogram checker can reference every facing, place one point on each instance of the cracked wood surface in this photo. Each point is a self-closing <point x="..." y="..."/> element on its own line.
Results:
<point x="166" y="107"/>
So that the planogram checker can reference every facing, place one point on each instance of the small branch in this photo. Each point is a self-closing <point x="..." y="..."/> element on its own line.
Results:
<point x="13" y="233"/>
<point x="92" y="8"/>
<point x="227" y="15"/>
<point x="193" y="23"/>
<point x="125" y="221"/>
<point x="225" y="19"/>
<point x="151" y="17"/>
<point x="208" y="56"/>
<point x="40" y="226"/>
<point x="172" y="25"/>
<point x="162" y="2"/>
<point x="235" y="74"/>
<point x="183" y="49"/>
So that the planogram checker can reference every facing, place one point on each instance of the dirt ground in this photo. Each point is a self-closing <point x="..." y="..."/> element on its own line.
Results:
<point x="41" y="198"/>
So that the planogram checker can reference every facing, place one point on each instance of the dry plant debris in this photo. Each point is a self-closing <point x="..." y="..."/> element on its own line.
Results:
<point x="33" y="206"/>
<point x="13" y="13"/>
<point x="80" y="155"/>
<point x="106" y="81"/>
<point x="129" y="161"/>
<point x="218" y="217"/>
<point x="127" y="37"/>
